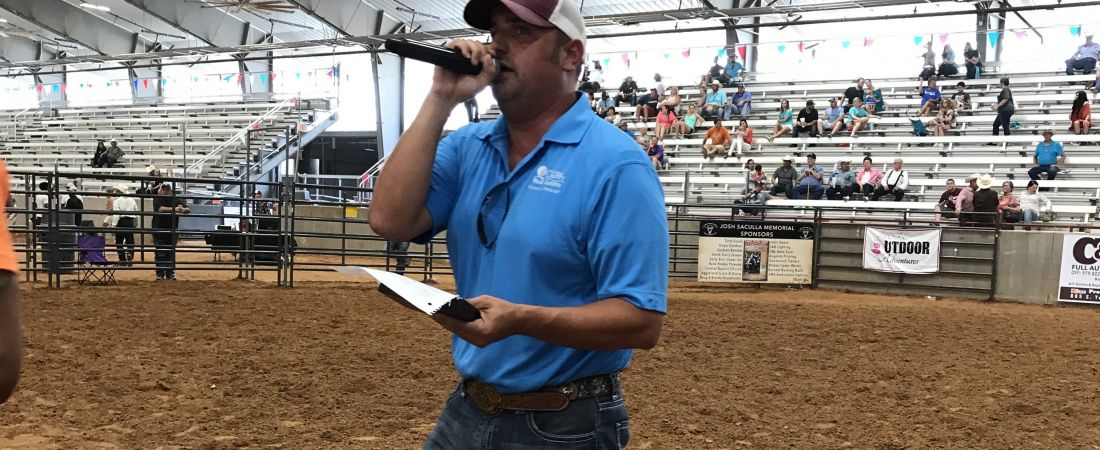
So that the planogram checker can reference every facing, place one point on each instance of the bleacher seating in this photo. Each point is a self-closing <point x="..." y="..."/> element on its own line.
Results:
<point x="160" y="135"/>
<point x="1043" y="101"/>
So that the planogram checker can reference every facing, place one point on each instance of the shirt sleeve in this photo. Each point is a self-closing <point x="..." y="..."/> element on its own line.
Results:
<point x="628" y="238"/>
<point x="903" y="182"/>
<point x="443" y="190"/>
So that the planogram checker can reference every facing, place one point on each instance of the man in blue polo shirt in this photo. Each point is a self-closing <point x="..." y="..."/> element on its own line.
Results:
<point x="716" y="106"/>
<point x="1049" y="157"/>
<point x="741" y="103"/>
<point x="809" y="180"/>
<point x="733" y="69"/>
<point x="556" y="230"/>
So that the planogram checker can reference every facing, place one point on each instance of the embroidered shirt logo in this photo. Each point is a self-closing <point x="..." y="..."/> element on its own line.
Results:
<point x="547" y="180"/>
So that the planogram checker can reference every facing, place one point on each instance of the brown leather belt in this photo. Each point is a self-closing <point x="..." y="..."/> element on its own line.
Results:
<point x="554" y="398"/>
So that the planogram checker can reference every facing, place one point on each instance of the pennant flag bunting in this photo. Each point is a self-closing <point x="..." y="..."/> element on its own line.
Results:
<point x="686" y="53"/>
<point x="845" y="44"/>
<point x="943" y="38"/>
<point x="741" y="51"/>
<point x="56" y="88"/>
<point x="867" y="42"/>
<point x="782" y="47"/>
<point x="801" y="47"/>
<point x="993" y="37"/>
<point x="1075" y="30"/>
<point x="1021" y="34"/>
<point x="606" y="62"/>
<point x="625" y="57"/>
<point x="164" y="82"/>
<point x="722" y="51"/>
<point x="145" y="83"/>
<point x="918" y="39"/>
<point x="666" y="55"/>
<point x="38" y="87"/>
<point x="263" y="77"/>
<point x="136" y="84"/>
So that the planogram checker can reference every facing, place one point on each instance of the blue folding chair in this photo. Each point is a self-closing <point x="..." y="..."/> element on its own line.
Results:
<point x="92" y="265"/>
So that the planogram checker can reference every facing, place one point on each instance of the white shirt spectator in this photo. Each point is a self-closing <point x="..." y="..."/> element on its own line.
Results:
<point x="121" y="206"/>
<point x="1035" y="202"/>
<point x="596" y="76"/>
<point x="898" y="180"/>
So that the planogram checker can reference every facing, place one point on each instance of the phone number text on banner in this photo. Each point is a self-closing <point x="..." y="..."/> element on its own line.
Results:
<point x="901" y="251"/>
<point x="756" y="252"/>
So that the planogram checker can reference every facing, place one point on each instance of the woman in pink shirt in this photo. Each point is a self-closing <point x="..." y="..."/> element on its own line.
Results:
<point x="665" y="118"/>
<point x="1009" y="205"/>
<point x="867" y="178"/>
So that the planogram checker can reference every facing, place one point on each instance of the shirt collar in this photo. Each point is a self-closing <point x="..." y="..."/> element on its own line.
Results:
<point x="569" y="128"/>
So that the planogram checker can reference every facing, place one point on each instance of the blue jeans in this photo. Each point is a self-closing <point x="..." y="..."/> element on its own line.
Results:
<point x="1051" y="171"/>
<point x="742" y="111"/>
<point x="814" y="192"/>
<point x="1030" y="215"/>
<point x="590" y="423"/>
<point x="752" y="209"/>
<point x="1085" y="65"/>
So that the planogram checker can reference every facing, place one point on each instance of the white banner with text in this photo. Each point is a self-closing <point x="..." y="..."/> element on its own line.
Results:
<point x="901" y="251"/>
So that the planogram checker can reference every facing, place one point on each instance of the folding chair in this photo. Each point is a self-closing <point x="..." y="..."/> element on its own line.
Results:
<point x="91" y="265"/>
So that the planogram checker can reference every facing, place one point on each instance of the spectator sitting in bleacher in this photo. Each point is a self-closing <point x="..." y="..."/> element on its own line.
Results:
<point x="873" y="97"/>
<point x="628" y="92"/>
<point x="672" y="100"/>
<point x="895" y="182"/>
<point x="1049" y="157"/>
<point x="961" y="97"/>
<point x="1005" y="108"/>
<point x="856" y="120"/>
<point x="741" y="103"/>
<point x="643" y="137"/>
<point x="716" y="140"/>
<point x="985" y="203"/>
<point x="807" y="120"/>
<point x="97" y="158"/>
<point x="1008" y="206"/>
<point x="973" y="61"/>
<point x="715" y="73"/>
<point x="1085" y="57"/>
<point x="603" y="104"/>
<point x="627" y="130"/>
<point x="613" y="116"/>
<point x="853" y="92"/>
<point x="944" y="120"/>
<point x="867" y="178"/>
<point x="113" y="155"/>
<point x="929" y="97"/>
<point x="647" y="105"/>
<point x="733" y="69"/>
<point x="686" y="125"/>
<point x="592" y="80"/>
<point x="716" y="105"/>
<point x="928" y="69"/>
<point x="784" y="121"/>
<point x="842" y="181"/>
<point x="665" y="119"/>
<point x="593" y="103"/>
<point x="946" y="205"/>
<point x="948" y="68"/>
<point x="750" y="202"/>
<point x="784" y="178"/>
<point x="656" y="154"/>
<point x="1032" y="203"/>
<point x="833" y="119"/>
<point x="809" y="180"/>
<point x="964" y="203"/>
<point x="1080" y="117"/>
<point x="753" y="172"/>
<point x="660" y="85"/>
<point x="742" y="139"/>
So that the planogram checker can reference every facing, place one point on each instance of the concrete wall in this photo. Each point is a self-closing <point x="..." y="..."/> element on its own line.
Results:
<point x="1028" y="266"/>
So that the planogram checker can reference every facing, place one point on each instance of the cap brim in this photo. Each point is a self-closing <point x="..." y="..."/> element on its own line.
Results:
<point x="478" y="13"/>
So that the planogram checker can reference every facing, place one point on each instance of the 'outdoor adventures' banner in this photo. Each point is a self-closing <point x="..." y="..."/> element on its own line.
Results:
<point x="901" y="251"/>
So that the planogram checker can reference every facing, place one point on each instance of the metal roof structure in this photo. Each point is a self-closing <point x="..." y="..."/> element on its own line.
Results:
<point x="42" y="33"/>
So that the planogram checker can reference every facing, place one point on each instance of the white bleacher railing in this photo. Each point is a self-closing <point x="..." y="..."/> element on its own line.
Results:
<point x="196" y="167"/>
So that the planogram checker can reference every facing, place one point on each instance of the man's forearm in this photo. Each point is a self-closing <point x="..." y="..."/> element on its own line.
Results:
<point x="610" y="324"/>
<point x="403" y="186"/>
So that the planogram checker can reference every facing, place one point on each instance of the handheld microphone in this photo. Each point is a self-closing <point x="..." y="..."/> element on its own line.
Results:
<point x="447" y="58"/>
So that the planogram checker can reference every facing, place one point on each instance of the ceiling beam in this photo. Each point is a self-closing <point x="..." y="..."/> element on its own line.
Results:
<point x="349" y="17"/>
<point x="213" y="26"/>
<point x="74" y="23"/>
<point x="19" y="48"/>
<point x="309" y="8"/>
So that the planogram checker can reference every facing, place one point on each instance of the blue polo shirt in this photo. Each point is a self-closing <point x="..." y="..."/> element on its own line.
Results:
<point x="810" y="180"/>
<point x="716" y="98"/>
<point x="585" y="222"/>
<point x="1048" y="155"/>
<point x="734" y="69"/>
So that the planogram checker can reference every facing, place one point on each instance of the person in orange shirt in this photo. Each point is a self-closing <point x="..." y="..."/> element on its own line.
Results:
<point x="11" y="353"/>
<point x="719" y="140"/>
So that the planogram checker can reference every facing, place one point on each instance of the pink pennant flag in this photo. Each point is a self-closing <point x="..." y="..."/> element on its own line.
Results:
<point x="626" y="58"/>
<point x="145" y="83"/>
<point x="868" y="42"/>
<point x="801" y="46"/>
<point x="943" y="38"/>
<point x="686" y="53"/>
<point x="741" y="51"/>
<point x="1021" y="34"/>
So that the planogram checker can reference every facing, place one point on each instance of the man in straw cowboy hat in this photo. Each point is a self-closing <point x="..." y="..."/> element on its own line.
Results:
<point x="123" y="220"/>
<point x="985" y="202"/>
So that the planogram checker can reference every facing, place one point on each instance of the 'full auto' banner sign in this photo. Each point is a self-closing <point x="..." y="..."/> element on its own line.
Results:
<point x="901" y="251"/>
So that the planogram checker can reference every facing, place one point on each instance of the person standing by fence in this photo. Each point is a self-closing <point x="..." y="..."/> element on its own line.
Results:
<point x="124" y="220"/>
<point x="11" y="342"/>
<point x="165" y="222"/>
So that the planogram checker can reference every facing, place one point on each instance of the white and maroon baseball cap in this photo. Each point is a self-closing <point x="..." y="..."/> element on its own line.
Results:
<point x="564" y="15"/>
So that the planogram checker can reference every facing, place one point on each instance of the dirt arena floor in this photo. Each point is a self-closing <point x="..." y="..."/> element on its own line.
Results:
<point x="205" y="363"/>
